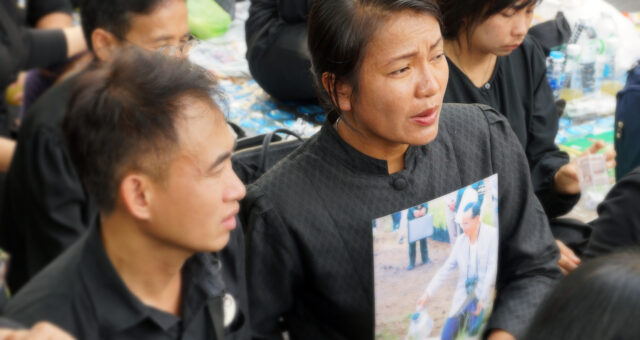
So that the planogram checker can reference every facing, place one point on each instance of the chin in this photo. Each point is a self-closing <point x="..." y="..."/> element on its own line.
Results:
<point x="425" y="137"/>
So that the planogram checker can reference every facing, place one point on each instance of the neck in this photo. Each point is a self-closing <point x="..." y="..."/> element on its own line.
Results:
<point x="474" y="236"/>
<point x="476" y="64"/>
<point x="393" y="153"/>
<point x="150" y="269"/>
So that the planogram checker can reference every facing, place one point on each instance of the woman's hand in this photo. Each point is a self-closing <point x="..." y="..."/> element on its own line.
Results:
<point x="565" y="181"/>
<point x="499" y="334"/>
<point x="40" y="331"/>
<point x="568" y="260"/>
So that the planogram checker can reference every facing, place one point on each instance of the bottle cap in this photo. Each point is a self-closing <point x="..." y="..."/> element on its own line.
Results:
<point x="556" y="55"/>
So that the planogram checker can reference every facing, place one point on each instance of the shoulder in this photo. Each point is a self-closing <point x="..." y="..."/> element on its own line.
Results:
<point x="469" y="119"/>
<point x="51" y="294"/>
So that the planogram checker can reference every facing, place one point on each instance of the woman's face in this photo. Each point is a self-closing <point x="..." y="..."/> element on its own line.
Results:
<point x="503" y="32"/>
<point x="402" y="82"/>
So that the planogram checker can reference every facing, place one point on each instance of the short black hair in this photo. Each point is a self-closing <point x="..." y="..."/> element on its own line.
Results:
<point x="122" y="115"/>
<point x="339" y="32"/>
<point x="599" y="300"/>
<point x="458" y="13"/>
<point x="112" y="15"/>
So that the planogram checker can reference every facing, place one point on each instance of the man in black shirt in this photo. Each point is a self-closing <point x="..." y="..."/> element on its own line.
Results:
<point x="154" y="150"/>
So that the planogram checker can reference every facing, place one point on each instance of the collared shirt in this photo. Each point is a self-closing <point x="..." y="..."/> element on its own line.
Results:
<point x="82" y="293"/>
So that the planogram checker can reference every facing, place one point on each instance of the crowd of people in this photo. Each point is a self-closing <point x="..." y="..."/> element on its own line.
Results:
<point x="124" y="218"/>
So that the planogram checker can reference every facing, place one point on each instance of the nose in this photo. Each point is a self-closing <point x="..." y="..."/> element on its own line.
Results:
<point x="521" y="24"/>
<point x="235" y="189"/>
<point x="427" y="84"/>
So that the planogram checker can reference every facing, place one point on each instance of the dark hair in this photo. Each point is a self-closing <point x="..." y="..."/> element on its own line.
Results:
<point x="339" y="32"/>
<point x="457" y="13"/>
<point x="121" y="116"/>
<point x="474" y="206"/>
<point x="112" y="15"/>
<point x="599" y="300"/>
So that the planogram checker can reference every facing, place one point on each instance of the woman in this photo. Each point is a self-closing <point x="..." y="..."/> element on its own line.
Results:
<point x="493" y="62"/>
<point x="389" y="144"/>
<point x="598" y="301"/>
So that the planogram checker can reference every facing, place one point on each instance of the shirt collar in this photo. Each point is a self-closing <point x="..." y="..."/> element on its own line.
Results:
<point x="117" y="309"/>
<point x="333" y="146"/>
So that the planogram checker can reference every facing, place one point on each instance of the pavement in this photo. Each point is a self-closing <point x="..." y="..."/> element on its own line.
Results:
<point x="626" y="5"/>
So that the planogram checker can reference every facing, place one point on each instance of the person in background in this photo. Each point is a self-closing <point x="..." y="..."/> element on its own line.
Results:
<point x="22" y="49"/>
<point x="599" y="300"/>
<point x="45" y="207"/>
<point x="277" y="52"/>
<point x="154" y="150"/>
<point x="388" y="144"/>
<point x="492" y="61"/>
<point x="413" y="213"/>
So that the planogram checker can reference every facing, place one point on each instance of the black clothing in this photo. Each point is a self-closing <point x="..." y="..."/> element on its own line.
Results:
<point x="45" y="207"/>
<point x="82" y="293"/>
<point x="36" y="9"/>
<point x="519" y="90"/>
<point x="10" y="324"/>
<point x="618" y="222"/>
<point x="309" y="236"/>
<point x="22" y="49"/>
<point x="277" y="52"/>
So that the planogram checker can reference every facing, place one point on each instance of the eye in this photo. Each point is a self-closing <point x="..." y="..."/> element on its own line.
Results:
<point x="439" y="57"/>
<point x="508" y="13"/>
<point x="400" y="71"/>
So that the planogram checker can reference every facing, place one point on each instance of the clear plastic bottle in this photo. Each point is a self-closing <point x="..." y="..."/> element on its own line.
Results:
<point x="555" y="74"/>
<point x="572" y="87"/>
<point x="588" y="67"/>
<point x="611" y="84"/>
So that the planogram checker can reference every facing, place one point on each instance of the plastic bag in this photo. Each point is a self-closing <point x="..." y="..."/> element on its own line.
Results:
<point x="207" y="19"/>
<point x="420" y="326"/>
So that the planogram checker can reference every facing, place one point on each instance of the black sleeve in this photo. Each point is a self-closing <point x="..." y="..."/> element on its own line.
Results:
<point x="36" y="9"/>
<point x="44" y="48"/>
<point x="527" y="253"/>
<point x="543" y="154"/>
<point x="618" y="222"/>
<point x="294" y="11"/>
<point x="273" y="266"/>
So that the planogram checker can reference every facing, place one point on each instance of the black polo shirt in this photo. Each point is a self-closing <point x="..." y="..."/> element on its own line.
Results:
<point x="82" y="293"/>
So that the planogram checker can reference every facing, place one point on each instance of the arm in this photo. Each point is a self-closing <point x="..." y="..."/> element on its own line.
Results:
<point x="527" y="252"/>
<point x="618" y="222"/>
<point x="7" y="147"/>
<point x="486" y="278"/>
<point x="441" y="275"/>
<point x="273" y="267"/>
<point x="294" y="11"/>
<point x="40" y="13"/>
<point x="545" y="159"/>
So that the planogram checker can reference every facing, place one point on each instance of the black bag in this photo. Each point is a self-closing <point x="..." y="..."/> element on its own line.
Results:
<point x="627" y="125"/>
<point x="255" y="155"/>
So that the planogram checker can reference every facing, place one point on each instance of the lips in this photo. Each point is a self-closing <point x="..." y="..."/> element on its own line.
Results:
<point x="427" y="117"/>
<point x="229" y="222"/>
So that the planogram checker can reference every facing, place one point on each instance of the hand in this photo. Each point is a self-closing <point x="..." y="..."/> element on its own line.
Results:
<point x="565" y="181"/>
<point x="422" y="301"/>
<point x="478" y="309"/>
<point x="568" y="260"/>
<point x="499" y="334"/>
<point x="40" y="331"/>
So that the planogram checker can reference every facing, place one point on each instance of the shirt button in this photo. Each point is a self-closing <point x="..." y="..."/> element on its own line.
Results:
<point x="487" y="86"/>
<point x="399" y="183"/>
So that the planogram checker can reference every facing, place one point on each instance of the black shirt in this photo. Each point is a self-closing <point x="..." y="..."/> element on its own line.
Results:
<point x="309" y="239"/>
<point x="82" y="293"/>
<point x="618" y="222"/>
<point x="21" y="49"/>
<point x="519" y="90"/>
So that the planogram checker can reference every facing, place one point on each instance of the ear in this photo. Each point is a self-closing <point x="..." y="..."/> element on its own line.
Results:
<point x="135" y="195"/>
<point x="342" y="89"/>
<point x="104" y="44"/>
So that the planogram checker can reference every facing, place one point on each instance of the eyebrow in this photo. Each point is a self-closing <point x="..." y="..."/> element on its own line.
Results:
<point x="169" y="37"/>
<point x="412" y="53"/>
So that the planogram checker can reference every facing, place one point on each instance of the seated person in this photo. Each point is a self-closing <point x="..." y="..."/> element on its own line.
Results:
<point x="492" y="61"/>
<point x="618" y="222"/>
<point x="45" y="208"/>
<point x="599" y="300"/>
<point x="277" y="52"/>
<point x="153" y="149"/>
<point x="389" y="144"/>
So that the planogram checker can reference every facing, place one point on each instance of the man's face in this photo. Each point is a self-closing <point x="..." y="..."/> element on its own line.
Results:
<point x="165" y="26"/>
<point x="194" y="207"/>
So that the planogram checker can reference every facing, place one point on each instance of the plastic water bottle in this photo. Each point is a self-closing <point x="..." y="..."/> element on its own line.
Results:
<point x="611" y="84"/>
<point x="420" y="326"/>
<point x="555" y="73"/>
<point x="572" y="87"/>
<point x="588" y="68"/>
